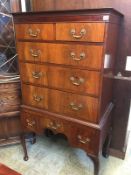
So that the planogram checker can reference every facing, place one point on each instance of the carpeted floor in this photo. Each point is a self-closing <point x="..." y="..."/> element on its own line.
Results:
<point x="55" y="157"/>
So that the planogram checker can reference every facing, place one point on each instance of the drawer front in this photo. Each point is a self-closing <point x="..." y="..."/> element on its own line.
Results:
<point x="86" y="56"/>
<point x="86" y="138"/>
<point x="34" y="31"/>
<point x="34" y="73"/>
<point x="34" y="96"/>
<point x="78" y="135"/>
<point x="72" y="105"/>
<point x="90" y="32"/>
<point x="53" y="124"/>
<point x="30" y="121"/>
<point x="29" y="51"/>
<point x="37" y="122"/>
<point x="74" y="80"/>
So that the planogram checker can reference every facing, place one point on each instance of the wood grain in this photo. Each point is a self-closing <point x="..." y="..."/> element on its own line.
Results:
<point x="94" y="31"/>
<point x="30" y="123"/>
<point x="85" y="133"/>
<point x="62" y="105"/>
<point x="110" y="50"/>
<point x="15" y="5"/>
<point x="73" y="106"/>
<point x="73" y="4"/>
<point x="71" y="130"/>
<point x="122" y="109"/>
<point x="34" y="96"/>
<point x="49" y="76"/>
<point x="61" y="54"/>
<point x="10" y="97"/>
<point x="10" y="125"/>
<point x="42" y="31"/>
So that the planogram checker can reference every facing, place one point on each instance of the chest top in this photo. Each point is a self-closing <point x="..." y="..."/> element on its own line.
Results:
<point x="99" y="15"/>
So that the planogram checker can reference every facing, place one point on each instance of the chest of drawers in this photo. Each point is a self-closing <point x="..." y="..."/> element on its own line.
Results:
<point x="66" y="60"/>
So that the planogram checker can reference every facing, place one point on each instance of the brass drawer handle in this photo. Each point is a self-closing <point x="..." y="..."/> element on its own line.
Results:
<point x="83" y="141"/>
<point x="30" y="123"/>
<point x="73" y="56"/>
<point x="33" y="33"/>
<point x="37" y="98"/>
<point x="54" y="126"/>
<point x="82" y="33"/>
<point x="77" y="81"/>
<point x="76" y="107"/>
<point x="35" y="53"/>
<point x="37" y="75"/>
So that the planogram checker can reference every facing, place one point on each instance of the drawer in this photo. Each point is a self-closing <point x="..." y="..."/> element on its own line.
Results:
<point x="74" y="80"/>
<point x="86" y="138"/>
<point x="83" y="56"/>
<point x="34" y="31"/>
<point x="72" y="105"/>
<point x="30" y="121"/>
<point x="53" y="124"/>
<point x="90" y="32"/>
<point x="80" y="136"/>
<point x="34" y="73"/>
<point x="34" y="96"/>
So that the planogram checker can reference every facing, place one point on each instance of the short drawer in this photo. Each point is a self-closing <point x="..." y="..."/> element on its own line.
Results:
<point x="53" y="124"/>
<point x="30" y="122"/>
<point x="87" y="138"/>
<point x="34" y="31"/>
<point x="56" y="125"/>
<point x="73" y="80"/>
<point x="90" y="32"/>
<point x="83" y="56"/>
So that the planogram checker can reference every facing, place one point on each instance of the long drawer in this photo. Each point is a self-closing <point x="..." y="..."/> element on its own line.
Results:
<point x="72" y="105"/>
<point x="90" y="32"/>
<point x="80" y="136"/>
<point x="83" y="56"/>
<point x="35" y="31"/>
<point x="74" y="80"/>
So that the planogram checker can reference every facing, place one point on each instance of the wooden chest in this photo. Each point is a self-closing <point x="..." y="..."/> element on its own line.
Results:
<point x="10" y="100"/>
<point x="66" y="61"/>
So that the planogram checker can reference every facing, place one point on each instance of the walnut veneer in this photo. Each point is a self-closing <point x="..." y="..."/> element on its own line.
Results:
<point x="66" y="59"/>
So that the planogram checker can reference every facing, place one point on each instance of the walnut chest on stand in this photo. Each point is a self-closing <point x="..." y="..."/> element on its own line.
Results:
<point x="66" y="61"/>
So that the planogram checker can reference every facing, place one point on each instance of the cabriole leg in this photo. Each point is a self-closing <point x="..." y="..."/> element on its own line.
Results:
<point x="96" y="162"/>
<point x="23" y="142"/>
